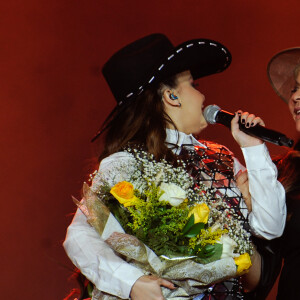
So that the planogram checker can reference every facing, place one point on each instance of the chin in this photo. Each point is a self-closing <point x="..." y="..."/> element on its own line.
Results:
<point x="198" y="131"/>
<point x="203" y="126"/>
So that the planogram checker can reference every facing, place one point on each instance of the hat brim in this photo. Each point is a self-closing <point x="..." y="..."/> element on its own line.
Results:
<point x="202" y="57"/>
<point x="281" y="72"/>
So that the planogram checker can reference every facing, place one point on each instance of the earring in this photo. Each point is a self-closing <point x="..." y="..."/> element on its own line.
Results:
<point x="179" y="104"/>
<point x="173" y="97"/>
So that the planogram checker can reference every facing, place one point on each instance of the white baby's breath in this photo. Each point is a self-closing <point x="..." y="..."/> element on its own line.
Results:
<point x="177" y="185"/>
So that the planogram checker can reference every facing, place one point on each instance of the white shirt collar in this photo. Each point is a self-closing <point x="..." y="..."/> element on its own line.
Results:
<point x="180" y="139"/>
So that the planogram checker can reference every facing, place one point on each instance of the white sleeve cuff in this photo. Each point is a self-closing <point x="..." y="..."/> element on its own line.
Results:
<point x="257" y="157"/>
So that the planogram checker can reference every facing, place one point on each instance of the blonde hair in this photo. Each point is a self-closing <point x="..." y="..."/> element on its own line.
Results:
<point x="297" y="71"/>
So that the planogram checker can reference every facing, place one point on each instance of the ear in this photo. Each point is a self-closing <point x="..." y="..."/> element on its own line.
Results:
<point x="167" y="98"/>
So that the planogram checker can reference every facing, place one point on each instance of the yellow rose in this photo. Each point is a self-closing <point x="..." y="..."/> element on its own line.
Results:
<point x="243" y="263"/>
<point x="201" y="212"/>
<point x="123" y="192"/>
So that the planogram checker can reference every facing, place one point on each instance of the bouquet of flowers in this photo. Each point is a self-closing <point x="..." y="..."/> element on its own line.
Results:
<point x="166" y="225"/>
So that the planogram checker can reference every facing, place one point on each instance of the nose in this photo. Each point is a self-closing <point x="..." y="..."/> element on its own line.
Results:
<point x="296" y="96"/>
<point x="203" y="96"/>
<point x="296" y="100"/>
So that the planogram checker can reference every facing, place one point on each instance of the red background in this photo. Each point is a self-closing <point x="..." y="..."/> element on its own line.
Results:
<point x="54" y="98"/>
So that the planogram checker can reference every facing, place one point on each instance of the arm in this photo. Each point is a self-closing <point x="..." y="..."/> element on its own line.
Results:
<point x="96" y="260"/>
<point x="89" y="252"/>
<point x="267" y="264"/>
<point x="242" y="183"/>
<point x="252" y="278"/>
<point x="268" y="215"/>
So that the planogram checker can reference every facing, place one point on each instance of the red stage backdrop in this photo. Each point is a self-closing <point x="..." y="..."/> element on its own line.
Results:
<point x="54" y="98"/>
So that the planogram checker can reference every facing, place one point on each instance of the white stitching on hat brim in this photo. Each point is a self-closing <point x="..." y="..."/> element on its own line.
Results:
<point x="162" y="66"/>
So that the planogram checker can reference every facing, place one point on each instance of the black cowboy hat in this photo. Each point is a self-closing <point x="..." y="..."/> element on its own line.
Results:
<point x="153" y="58"/>
<point x="281" y="71"/>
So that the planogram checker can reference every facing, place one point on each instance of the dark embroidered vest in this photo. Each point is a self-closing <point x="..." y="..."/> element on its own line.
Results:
<point x="213" y="166"/>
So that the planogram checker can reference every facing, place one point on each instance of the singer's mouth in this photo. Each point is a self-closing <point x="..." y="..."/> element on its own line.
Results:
<point x="297" y="114"/>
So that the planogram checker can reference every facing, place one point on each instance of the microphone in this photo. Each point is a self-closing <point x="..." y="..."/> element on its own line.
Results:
<point x="213" y="114"/>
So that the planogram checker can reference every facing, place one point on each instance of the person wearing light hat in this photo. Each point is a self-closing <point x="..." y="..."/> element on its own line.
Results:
<point x="284" y="75"/>
<point x="160" y="109"/>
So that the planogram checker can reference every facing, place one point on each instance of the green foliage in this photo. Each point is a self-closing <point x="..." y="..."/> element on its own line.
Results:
<point x="191" y="229"/>
<point x="167" y="229"/>
<point x="90" y="288"/>
<point x="120" y="213"/>
<point x="209" y="253"/>
<point x="189" y="224"/>
<point x="157" y="223"/>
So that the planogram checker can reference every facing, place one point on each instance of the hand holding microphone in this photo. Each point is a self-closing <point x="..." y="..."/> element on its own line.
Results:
<point x="213" y="114"/>
<point x="245" y="120"/>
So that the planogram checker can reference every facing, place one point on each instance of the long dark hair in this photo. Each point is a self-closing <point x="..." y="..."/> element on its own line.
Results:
<point x="142" y="121"/>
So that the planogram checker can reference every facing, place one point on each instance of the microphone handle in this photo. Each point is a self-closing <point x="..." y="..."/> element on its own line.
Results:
<point x="224" y="117"/>
<point x="257" y="131"/>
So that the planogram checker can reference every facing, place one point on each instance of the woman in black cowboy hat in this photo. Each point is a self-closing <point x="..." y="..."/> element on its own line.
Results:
<point x="160" y="110"/>
<point x="284" y="75"/>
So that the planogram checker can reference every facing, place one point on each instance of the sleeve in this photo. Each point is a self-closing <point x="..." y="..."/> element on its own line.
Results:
<point x="267" y="219"/>
<point x="89" y="252"/>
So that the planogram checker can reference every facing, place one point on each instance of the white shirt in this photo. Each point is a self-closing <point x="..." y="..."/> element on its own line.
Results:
<point x="111" y="274"/>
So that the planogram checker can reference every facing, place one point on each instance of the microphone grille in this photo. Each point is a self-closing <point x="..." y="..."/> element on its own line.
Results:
<point x="210" y="113"/>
